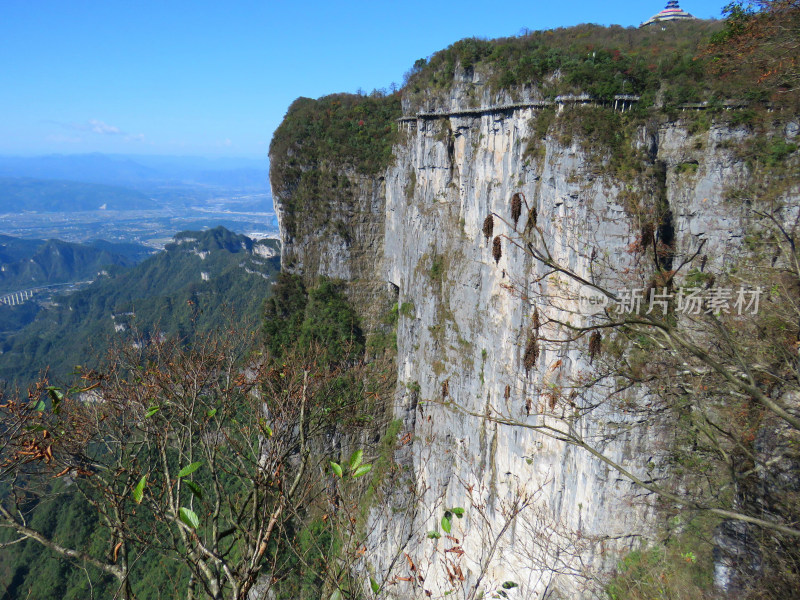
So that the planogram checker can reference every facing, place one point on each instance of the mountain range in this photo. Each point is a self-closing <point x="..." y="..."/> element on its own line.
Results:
<point x="141" y="171"/>
<point x="33" y="263"/>
<point x="198" y="281"/>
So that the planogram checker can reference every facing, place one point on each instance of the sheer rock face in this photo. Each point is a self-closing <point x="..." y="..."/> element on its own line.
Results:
<point x="344" y="240"/>
<point x="417" y="234"/>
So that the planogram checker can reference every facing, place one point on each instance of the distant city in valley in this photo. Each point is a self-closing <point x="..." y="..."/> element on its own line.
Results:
<point x="153" y="228"/>
<point x="132" y="199"/>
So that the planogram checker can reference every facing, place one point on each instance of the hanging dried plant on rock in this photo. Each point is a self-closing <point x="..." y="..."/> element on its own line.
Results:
<point x="516" y="208"/>
<point x="648" y="233"/>
<point x="531" y="353"/>
<point x="533" y="215"/>
<point x="595" y="345"/>
<point x="497" y="250"/>
<point x="488" y="227"/>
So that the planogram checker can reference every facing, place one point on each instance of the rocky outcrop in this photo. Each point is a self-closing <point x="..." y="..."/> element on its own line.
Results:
<point x="537" y="512"/>
<point x="472" y="319"/>
<point x="344" y="241"/>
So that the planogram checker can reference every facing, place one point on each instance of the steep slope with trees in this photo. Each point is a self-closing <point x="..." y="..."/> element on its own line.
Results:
<point x="28" y="264"/>
<point x="211" y="467"/>
<point x="197" y="283"/>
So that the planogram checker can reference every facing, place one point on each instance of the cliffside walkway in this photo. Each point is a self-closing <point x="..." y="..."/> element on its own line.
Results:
<point x="540" y="104"/>
<point x="621" y="102"/>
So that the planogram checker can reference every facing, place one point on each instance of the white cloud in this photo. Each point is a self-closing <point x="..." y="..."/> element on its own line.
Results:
<point x="94" y="126"/>
<point x="103" y="128"/>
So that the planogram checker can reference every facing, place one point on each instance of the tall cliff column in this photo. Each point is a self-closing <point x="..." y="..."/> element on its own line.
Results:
<point x="326" y="178"/>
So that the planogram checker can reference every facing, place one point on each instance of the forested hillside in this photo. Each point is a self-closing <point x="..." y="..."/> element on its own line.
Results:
<point x="299" y="386"/>
<point x="195" y="284"/>
<point x="28" y="264"/>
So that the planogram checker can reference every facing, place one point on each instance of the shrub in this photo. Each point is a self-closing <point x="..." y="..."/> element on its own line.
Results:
<point x="602" y="61"/>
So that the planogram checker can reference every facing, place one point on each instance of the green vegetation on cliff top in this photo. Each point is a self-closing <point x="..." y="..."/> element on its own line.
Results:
<point x="599" y="61"/>
<point x="321" y="143"/>
<point x="352" y="130"/>
<point x="680" y="62"/>
<point x="319" y="140"/>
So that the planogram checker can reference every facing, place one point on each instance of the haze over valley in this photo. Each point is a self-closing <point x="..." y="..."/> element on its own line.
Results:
<point x="134" y="199"/>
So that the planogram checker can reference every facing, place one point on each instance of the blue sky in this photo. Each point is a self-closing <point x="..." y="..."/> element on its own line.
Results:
<point x="215" y="78"/>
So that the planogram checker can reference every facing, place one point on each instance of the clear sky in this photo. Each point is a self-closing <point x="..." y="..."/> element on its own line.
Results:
<point x="214" y="77"/>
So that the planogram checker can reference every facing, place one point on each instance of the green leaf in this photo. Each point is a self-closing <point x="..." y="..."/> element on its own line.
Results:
<point x="56" y="396"/>
<point x="434" y="535"/>
<point x="374" y="585"/>
<point x="362" y="470"/>
<point x="262" y="422"/>
<point x="337" y="595"/>
<point x="188" y="470"/>
<point x="336" y="468"/>
<point x="211" y="413"/>
<point x="508" y="585"/>
<point x="138" y="491"/>
<point x="189" y="517"/>
<point x="195" y="489"/>
<point x="355" y="460"/>
<point x="151" y="411"/>
<point x="458" y="511"/>
<point x="446" y="524"/>
<point x="40" y="406"/>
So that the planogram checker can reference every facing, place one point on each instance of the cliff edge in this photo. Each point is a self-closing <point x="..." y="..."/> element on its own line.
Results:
<point x="621" y="179"/>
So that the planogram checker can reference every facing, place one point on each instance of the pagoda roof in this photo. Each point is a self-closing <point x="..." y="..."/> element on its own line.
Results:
<point x="670" y="13"/>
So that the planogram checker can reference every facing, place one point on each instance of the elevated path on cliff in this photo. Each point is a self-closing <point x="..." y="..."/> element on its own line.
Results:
<point x="621" y="102"/>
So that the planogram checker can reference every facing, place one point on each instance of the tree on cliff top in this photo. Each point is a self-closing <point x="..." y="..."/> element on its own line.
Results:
<point x="761" y="42"/>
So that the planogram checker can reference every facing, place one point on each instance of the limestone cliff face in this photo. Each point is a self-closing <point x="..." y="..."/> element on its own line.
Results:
<point x="537" y="512"/>
<point x="344" y="242"/>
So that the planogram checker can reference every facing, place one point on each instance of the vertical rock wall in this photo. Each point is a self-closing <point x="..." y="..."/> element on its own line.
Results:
<point x="416" y="234"/>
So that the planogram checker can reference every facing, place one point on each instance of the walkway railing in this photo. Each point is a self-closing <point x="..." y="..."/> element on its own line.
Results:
<point x="621" y="102"/>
